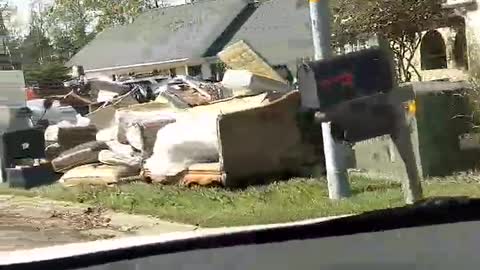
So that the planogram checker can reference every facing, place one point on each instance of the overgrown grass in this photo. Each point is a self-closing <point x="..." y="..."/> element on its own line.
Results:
<point x="279" y="202"/>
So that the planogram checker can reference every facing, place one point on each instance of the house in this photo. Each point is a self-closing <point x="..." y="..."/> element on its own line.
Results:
<point x="185" y="39"/>
<point x="452" y="52"/>
<point x="443" y="54"/>
<point x="177" y="40"/>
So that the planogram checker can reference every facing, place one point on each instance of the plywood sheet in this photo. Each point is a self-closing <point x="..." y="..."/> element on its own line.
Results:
<point x="241" y="56"/>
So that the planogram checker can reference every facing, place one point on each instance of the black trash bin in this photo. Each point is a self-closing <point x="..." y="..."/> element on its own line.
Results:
<point x="20" y="145"/>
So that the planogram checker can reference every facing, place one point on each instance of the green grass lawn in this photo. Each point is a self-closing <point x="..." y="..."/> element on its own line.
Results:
<point x="279" y="202"/>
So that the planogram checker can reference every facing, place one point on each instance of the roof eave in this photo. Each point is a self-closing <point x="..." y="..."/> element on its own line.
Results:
<point x="232" y="28"/>
<point x="174" y="61"/>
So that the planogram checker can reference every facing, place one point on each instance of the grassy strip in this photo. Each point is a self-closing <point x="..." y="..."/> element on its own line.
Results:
<point x="279" y="202"/>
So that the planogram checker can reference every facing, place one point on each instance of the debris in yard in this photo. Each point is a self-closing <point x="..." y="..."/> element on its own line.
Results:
<point x="264" y="141"/>
<point x="230" y="105"/>
<point x="52" y="131"/>
<point x="69" y="137"/>
<point x="86" y="153"/>
<point x="112" y="158"/>
<point x="53" y="151"/>
<point x="240" y="56"/>
<point x="23" y="161"/>
<point x="97" y="175"/>
<point x="142" y="135"/>
<point x="188" y="141"/>
<point x="56" y="113"/>
<point x="80" y="103"/>
<point x="74" y="100"/>
<point x="107" y="90"/>
<point x="125" y="118"/>
<point x="185" y="92"/>
<point x="102" y="117"/>
<point x="194" y="139"/>
<point x="91" y="218"/>
<point x="205" y="174"/>
<point x="244" y="82"/>
<point x="102" y="114"/>
<point x="170" y="131"/>
<point x="121" y="148"/>
<point x="107" y="134"/>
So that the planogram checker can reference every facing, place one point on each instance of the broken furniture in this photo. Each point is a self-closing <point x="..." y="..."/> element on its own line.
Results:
<point x="258" y="143"/>
<point x="27" y="147"/>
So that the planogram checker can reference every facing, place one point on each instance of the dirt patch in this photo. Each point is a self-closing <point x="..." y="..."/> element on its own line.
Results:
<point x="19" y="232"/>
<point x="91" y="218"/>
<point x="27" y="223"/>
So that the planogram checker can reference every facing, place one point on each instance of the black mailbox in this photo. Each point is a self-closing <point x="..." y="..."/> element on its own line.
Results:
<point x="353" y="93"/>
<point x="363" y="118"/>
<point x="364" y="73"/>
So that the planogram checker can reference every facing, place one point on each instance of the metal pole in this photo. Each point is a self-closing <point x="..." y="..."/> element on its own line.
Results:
<point x="402" y="137"/>
<point x="335" y="153"/>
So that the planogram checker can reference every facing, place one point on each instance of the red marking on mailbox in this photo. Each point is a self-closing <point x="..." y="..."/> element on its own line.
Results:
<point x="345" y="80"/>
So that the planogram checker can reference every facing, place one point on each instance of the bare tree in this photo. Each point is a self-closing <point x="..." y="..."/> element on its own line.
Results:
<point x="400" y="21"/>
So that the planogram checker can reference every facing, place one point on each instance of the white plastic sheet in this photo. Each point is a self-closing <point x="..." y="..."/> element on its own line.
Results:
<point x="192" y="139"/>
<point x="54" y="115"/>
<point x="107" y="134"/>
<point x="126" y="118"/>
<point x="142" y="135"/>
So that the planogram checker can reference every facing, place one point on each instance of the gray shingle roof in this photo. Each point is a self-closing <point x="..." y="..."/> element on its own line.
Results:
<point x="185" y="31"/>
<point x="279" y="30"/>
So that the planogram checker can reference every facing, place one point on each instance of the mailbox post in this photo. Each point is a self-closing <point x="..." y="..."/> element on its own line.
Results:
<point x="335" y="152"/>
<point x="354" y="93"/>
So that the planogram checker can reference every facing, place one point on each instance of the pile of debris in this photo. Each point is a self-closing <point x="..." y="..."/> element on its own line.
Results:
<point x="176" y="135"/>
<point x="187" y="92"/>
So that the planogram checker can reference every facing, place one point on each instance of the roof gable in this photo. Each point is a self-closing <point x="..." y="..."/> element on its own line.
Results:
<point x="279" y="30"/>
<point x="185" y="31"/>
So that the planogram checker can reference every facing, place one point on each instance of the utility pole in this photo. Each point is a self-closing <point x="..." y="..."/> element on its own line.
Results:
<point x="335" y="153"/>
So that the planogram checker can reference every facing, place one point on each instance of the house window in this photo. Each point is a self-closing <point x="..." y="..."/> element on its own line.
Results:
<point x="433" y="51"/>
<point x="195" y="71"/>
<point x="460" y="51"/>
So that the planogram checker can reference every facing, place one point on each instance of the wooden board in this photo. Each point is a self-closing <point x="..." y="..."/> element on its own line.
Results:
<point x="241" y="56"/>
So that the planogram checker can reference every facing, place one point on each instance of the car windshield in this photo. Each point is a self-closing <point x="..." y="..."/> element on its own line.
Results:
<point x="151" y="117"/>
